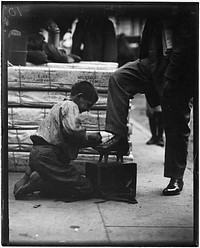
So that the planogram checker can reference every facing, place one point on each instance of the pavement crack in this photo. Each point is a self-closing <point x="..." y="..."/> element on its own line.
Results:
<point x="151" y="226"/>
<point x="104" y="224"/>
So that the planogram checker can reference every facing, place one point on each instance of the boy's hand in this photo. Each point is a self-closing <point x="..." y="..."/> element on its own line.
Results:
<point x="94" y="139"/>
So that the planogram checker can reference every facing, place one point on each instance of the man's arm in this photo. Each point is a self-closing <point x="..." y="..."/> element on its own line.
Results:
<point x="183" y="38"/>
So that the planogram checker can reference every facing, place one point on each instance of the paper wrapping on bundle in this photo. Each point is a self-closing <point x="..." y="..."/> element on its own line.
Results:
<point x="26" y="118"/>
<point x="55" y="78"/>
<point x="82" y="65"/>
<point x="43" y="98"/>
<point x="18" y="161"/>
<point x="19" y="140"/>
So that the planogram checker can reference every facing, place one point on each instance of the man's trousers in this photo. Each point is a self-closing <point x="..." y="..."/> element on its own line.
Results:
<point x="136" y="77"/>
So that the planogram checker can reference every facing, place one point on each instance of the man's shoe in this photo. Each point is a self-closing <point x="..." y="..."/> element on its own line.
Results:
<point x="32" y="185"/>
<point x="152" y="141"/>
<point x="160" y="141"/>
<point x="117" y="144"/>
<point x="174" y="187"/>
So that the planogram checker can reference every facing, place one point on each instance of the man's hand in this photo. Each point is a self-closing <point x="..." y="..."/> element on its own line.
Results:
<point x="169" y="87"/>
<point x="15" y="32"/>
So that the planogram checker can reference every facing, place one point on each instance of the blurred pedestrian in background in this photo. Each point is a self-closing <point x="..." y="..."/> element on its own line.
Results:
<point x="156" y="125"/>
<point x="41" y="51"/>
<point x="94" y="38"/>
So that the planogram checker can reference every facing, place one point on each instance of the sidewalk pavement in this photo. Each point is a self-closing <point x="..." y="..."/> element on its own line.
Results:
<point x="156" y="220"/>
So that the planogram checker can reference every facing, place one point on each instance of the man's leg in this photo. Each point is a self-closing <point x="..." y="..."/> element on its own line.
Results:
<point x="133" y="77"/>
<point x="176" y="113"/>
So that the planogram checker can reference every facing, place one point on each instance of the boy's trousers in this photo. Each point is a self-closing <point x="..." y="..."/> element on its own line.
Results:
<point x="136" y="77"/>
<point x="60" y="179"/>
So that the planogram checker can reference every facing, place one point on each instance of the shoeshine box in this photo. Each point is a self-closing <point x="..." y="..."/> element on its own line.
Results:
<point x="112" y="178"/>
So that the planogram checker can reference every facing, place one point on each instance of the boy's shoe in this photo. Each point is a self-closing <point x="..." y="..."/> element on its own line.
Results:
<point x="152" y="141"/>
<point x="174" y="187"/>
<point x="32" y="185"/>
<point x="20" y="183"/>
